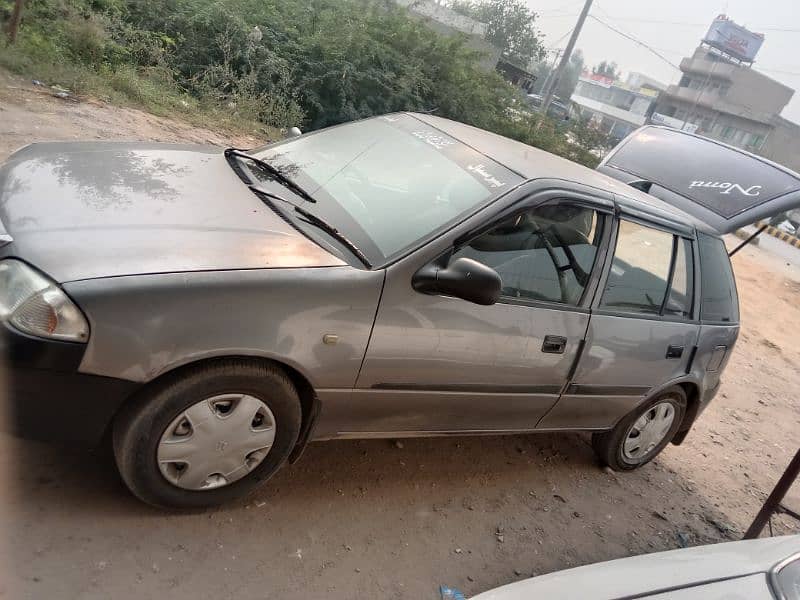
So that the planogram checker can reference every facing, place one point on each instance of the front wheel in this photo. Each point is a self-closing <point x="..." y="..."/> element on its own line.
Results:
<point x="639" y="437"/>
<point x="207" y="435"/>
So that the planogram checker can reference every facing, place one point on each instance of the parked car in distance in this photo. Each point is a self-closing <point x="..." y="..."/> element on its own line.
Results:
<point x="788" y="221"/>
<point x="557" y="109"/>
<point x="763" y="569"/>
<point x="213" y="311"/>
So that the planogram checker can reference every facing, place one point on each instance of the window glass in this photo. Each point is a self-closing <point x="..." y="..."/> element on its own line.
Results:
<point x="639" y="272"/>
<point x="544" y="254"/>
<point x="718" y="301"/>
<point x="390" y="181"/>
<point x="679" y="303"/>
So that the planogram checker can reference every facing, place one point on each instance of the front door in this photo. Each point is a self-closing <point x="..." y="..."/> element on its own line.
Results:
<point x="437" y="364"/>
<point x="643" y="330"/>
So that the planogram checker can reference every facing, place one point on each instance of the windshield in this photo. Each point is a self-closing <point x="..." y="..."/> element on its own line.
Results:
<point x="390" y="182"/>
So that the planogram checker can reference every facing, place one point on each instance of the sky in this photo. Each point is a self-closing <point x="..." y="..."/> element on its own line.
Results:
<point x="673" y="28"/>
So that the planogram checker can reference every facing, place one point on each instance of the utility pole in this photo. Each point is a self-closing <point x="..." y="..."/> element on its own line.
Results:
<point x="556" y="54"/>
<point x="553" y="84"/>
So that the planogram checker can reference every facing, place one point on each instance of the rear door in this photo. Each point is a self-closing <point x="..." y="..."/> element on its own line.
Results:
<point x="643" y="329"/>
<point x="720" y="185"/>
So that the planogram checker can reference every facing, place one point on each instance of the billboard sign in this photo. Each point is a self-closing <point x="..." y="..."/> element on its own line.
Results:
<point x="598" y="79"/>
<point x="733" y="39"/>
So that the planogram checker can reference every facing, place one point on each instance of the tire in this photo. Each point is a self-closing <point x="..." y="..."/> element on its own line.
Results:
<point x="610" y="445"/>
<point x="139" y="427"/>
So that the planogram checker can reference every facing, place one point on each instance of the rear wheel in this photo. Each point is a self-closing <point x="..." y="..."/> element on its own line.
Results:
<point x="207" y="435"/>
<point x="640" y="436"/>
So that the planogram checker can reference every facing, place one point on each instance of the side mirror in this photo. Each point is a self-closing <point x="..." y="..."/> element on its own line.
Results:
<point x="463" y="278"/>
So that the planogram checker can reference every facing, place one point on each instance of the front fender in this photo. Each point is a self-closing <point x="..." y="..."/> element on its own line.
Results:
<point x="144" y="326"/>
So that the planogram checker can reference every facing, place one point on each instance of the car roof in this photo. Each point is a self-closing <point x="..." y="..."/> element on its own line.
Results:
<point x="534" y="163"/>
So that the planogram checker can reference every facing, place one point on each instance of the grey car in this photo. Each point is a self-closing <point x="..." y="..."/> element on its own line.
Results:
<point x="557" y="109"/>
<point x="210" y="312"/>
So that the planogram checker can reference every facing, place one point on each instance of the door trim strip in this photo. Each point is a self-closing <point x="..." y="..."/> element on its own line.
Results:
<point x="580" y="389"/>
<point x="470" y="388"/>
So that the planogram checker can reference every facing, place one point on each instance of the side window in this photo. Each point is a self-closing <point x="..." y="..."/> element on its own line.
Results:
<point x="681" y="293"/>
<point x="639" y="279"/>
<point x="545" y="254"/>
<point x="718" y="302"/>
<point x="639" y="272"/>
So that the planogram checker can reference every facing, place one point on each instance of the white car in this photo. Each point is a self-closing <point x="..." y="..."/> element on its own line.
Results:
<point x="767" y="569"/>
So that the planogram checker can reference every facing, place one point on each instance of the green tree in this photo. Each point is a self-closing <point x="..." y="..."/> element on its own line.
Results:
<point x="510" y="26"/>
<point x="607" y="69"/>
<point x="311" y="63"/>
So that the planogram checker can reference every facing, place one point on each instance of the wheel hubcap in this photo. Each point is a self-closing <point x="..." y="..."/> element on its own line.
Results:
<point x="648" y="432"/>
<point x="216" y="441"/>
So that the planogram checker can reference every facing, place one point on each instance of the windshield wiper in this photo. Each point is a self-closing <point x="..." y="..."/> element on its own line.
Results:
<point x="313" y="219"/>
<point x="272" y="170"/>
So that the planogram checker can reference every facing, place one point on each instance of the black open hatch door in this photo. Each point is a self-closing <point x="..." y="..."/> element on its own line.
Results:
<point x="723" y="186"/>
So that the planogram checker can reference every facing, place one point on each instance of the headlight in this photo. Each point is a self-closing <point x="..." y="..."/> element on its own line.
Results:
<point x="36" y="305"/>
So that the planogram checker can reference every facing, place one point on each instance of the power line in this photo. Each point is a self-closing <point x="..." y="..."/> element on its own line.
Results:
<point x="669" y="51"/>
<point x="683" y="53"/>
<point x="549" y="91"/>
<point x="603" y="10"/>
<point x="636" y="41"/>
<point x="559" y="40"/>
<point x="685" y="24"/>
<point x="656" y="51"/>
<point x="559" y="9"/>
<point x="556" y="13"/>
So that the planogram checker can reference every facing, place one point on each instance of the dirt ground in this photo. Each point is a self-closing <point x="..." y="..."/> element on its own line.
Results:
<point x="375" y="519"/>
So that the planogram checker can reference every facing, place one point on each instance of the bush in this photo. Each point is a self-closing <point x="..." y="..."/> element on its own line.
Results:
<point x="86" y="40"/>
<point x="311" y="63"/>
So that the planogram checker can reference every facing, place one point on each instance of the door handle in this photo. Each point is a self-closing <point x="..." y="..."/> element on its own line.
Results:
<point x="674" y="351"/>
<point x="554" y="344"/>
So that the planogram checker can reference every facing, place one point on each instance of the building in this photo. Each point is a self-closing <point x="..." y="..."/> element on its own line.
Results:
<point x="730" y="102"/>
<point x="721" y="96"/>
<point x="446" y="21"/>
<point x="515" y="75"/>
<point x="616" y="107"/>
<point x="783" y="144"/>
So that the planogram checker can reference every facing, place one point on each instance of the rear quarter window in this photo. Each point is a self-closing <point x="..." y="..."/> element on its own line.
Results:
<point x="719" y="302"/>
